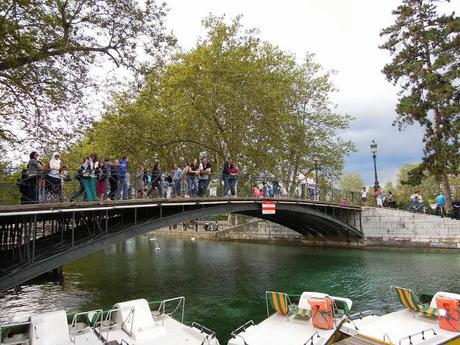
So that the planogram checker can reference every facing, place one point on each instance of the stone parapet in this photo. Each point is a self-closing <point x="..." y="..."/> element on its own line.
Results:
<point x="395" y="228"/>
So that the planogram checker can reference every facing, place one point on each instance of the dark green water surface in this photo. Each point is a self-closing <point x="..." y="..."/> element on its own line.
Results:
<point x="224" y="282"/>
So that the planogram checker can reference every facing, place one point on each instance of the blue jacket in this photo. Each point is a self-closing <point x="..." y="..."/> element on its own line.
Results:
<point x="122" y="168"/>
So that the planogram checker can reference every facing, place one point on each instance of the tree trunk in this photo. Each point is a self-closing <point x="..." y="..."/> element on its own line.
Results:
<point x="446" y="188"/>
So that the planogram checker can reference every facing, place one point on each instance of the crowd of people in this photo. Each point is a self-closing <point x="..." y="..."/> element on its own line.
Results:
<point x="106" y="179"/>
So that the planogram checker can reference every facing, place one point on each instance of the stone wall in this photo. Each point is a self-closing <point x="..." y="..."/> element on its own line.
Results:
<point x="394" y="228"/>
<point x="382" y="228"/>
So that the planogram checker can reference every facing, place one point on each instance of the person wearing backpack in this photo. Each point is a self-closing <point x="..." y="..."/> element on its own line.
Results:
<point x="233" y="176"/>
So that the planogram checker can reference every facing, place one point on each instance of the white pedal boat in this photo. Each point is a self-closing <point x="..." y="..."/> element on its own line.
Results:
<point x="127" y="323"/>
<point x="315" y="320"/>
<point x="435" y="322"/>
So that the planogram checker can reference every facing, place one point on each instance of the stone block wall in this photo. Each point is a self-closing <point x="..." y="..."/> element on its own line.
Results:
<point x="394" y="228"/>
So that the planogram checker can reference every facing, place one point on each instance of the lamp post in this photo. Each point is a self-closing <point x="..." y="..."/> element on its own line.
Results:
<point x="374" y="155"/>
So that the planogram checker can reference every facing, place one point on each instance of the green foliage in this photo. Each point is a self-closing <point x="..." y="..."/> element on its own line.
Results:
<point x="352" y="182"/>
<point x="48" y="48"/>
<point x="233" y="95"/>
<point x="426" y="65"/>
<point x="427" y="185"/>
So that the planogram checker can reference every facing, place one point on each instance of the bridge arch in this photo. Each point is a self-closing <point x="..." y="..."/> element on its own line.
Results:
<point x="111" y="224"/>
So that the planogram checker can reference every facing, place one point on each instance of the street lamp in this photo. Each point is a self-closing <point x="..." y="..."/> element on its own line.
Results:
<point x="374" y="155"/>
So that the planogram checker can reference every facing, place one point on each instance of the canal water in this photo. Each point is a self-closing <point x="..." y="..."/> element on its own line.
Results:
<point x="224" y="282"/>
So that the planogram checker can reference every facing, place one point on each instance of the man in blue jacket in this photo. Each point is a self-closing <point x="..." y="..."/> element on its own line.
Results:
<point x="123" y="179"/>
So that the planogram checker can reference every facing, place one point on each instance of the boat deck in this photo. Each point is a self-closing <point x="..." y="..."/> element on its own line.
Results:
<point x="279" y="329"/>
<point x="403" y="327"/>
<point x="358" y="340"/>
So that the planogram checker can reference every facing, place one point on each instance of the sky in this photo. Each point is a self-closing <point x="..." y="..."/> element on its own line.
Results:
<point x="344" y="36"/>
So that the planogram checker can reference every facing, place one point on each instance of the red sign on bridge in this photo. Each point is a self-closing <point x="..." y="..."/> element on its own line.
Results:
<point x="268" y="207"/>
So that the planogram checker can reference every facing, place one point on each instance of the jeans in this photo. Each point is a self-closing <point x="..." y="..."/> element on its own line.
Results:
<point x="202" y="186"/>
<point x="123" y="188"/>
<point x="177" y="187"/>
<point x="232" y="184"/>
<point x="192" y="183"/>
<point x="226" y="184"/>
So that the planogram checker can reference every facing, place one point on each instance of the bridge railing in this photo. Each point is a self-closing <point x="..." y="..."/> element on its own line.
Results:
<point x="18" y="188"/>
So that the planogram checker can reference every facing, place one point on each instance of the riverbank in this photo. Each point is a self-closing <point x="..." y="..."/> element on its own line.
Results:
<point x="382" y="228"/>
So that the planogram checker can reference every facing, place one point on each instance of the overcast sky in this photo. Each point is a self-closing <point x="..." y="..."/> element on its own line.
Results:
<point x="344" y="36"/>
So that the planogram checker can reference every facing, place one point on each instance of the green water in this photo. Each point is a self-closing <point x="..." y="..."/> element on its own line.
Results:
<point x="224" y="282"/>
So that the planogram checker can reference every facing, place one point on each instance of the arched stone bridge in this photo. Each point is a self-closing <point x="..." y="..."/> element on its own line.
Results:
<point x="35" y="239"/>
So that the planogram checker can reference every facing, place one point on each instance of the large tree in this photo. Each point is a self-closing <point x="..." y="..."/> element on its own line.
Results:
<point x="232" y="95"/>
<point x="48" y="49"/>
<point x="426" y="64"/>
<point x="352" y="182"/>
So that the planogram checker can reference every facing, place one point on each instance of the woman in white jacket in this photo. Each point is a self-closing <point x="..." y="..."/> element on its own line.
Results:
<point x="53" y="179"/>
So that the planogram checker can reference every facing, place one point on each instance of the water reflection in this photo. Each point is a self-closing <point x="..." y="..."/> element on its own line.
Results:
<point x="224" y="282"/>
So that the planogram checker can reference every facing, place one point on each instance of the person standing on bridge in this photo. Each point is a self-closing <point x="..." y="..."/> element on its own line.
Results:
<point x="157" y="180"/>
<point x="225" y="176"/>
<point x="113" y="179"/>
<point x="303" y="183"/>
<point x="233" y="178"/>
<point x="123" y="182"/>
<point x="204" y="176"/>
<point x="192" y="178"/>
<point x="53" y="179"/>
<point x="177" y="177"/>
<point x="441" y="205"/>
<point x="34" y="171"/>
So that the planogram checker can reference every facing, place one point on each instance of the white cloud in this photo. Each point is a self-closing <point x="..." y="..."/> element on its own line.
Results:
<point x="344" y="35"/>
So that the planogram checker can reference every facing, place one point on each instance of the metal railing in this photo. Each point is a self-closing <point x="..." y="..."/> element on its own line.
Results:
<point x="72" y="186"/>
<point x="422" y="333"/>
<point x="242" y="328"/>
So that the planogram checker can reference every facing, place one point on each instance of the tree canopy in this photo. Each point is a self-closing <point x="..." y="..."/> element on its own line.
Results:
<point x="48" y="49"/>
<point x="233" y="95"/>
<point x="426" y="65"/>
<point x="352" y="182"/>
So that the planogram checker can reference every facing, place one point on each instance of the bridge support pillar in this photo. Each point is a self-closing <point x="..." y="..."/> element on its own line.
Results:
<point x="57" y="274"/>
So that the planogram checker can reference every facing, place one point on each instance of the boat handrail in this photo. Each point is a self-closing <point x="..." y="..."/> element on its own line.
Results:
<point x="312" y="337"/>
<point x="162" y="307"/>
<point x="210" y="334"/>
<point x="73" y="324"/>
<point x="418" y="333"/>
<point x="109" y="319"/>
<point x="361" y="314"/>
<point x="242" y="328"/>
<point x="76" y="315"/>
